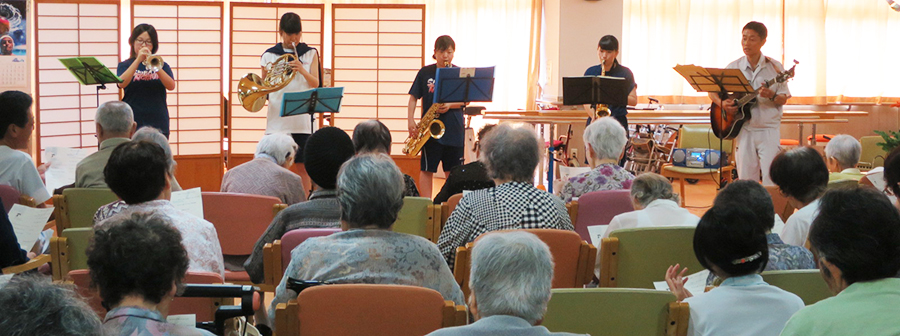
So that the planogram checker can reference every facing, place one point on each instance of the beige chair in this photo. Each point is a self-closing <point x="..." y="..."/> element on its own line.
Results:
<point x="419" y="216"/>
<point x="68" y="251"/>
<point x="637" y="257"/>
<point x="616" y="311"/>
<point x="75" y="208"/>
<point x="871" y="155"/>
<point x="807" y="284"/>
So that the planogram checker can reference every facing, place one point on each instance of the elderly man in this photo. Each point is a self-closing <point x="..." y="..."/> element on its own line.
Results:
<point x="842" y="156"/>
<point x="510" y="279"/>
<point x="268" y="173"/>
<point x="510" y="155"/>
<point x="115" y="125"/>
<point x="856" y="240"/>
<point x="34" y="306"/>
<point x="605" y="139"/>
<point x="16" y="125"/>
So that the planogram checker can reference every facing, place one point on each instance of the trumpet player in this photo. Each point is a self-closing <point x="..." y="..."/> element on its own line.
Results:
<point x="145" y="83"/>
<point x="449" y="148"/>
<point x="305" y="66"/>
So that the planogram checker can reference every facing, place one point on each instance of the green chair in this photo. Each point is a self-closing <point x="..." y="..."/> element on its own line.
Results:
<point x="75" y="208"/>
<point x="807" y="284"/>
<point x="871" y="155"/>
<point x="635" y="258"/>
<point x="68" y="251"/>
<point x="845" y="183"/>
<point x="616" y="311"/>
<point x="417" y="217"/>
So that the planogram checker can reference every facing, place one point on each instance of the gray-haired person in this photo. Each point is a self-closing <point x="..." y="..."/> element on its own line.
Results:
<point x="655" y="204"/>
<point x="605" y="139"/>
<point x="268" y="173"/>
<point x="35" y="306"/>
<point x="510" y="279"/>
<point x="510" y="155"/>
<point x="152" y="134"/>
<point x="841" y="156"/>
<point x="115" y="125"/>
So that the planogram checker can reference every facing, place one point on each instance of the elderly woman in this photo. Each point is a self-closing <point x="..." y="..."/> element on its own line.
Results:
<point x="606" y="140"/>
<point x="842" y="156"/>
<point x="510" y="155"/>
<point x="801" y="175"/>
<point x="732" y="247"/>
<point x="268" y="173"/>
<point x="138" y="286"/>
<point x="370" y="191"/>
<point x="33" y="306"/>
<point x="371" y="136"/>
<point x="655" y="205"/>
<point x="510" y="279"/>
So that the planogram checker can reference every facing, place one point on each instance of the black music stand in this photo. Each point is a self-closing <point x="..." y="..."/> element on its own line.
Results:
<point x="318" y="100"/>
<point x="595" y="90"/>
<point x="464" y="85"/>
<point x="89" y="71"/>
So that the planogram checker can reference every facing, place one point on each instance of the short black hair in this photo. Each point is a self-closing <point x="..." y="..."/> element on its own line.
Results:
<point x="136" y="171"/>
<point x="858" y="230"/>
<point x="290" y="23"/>
<point x="140" y="29"/>
<point x="371" y="136"/>
<point x="608" y="42"/>
<point x="14" y="106"/>
<point x="751" y="195"/>
<point x="120" y="264"/>
<point x="728" y="238"/>
<point x="324" y="153"/>
<point x="758" y="27"/>
<point x="800" y="173"/>
<point x="892" y="171"/>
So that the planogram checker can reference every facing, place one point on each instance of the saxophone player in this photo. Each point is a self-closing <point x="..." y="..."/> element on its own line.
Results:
<point x="449" y="148"/>
<point x="607" y="51"/>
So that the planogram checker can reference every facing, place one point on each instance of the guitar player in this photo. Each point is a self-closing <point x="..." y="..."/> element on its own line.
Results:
<point x="759" y="140"/>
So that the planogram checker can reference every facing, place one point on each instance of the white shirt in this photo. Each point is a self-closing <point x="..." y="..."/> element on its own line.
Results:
<point x="18" y="171"/>
<point x="744" y="305"/>
<point x="766" y="114"/>
<point x="796" y="230"/>
<point x="275" y="123"/>
<point x="660" y="212"/>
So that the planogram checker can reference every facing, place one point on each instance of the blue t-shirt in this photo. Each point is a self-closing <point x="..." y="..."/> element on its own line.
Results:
<point x="146" y="95"/>
<point x="617" y="70"/>
<point x="423" y="88"/>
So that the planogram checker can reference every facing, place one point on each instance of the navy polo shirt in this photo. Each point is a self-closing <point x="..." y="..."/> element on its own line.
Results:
<point x="617" y="70"/>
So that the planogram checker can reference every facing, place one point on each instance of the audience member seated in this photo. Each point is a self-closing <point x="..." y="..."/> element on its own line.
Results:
<point x="371" y="136"/>
<point x="655" y="205"/>
<point x="370" y="190"/>
<point x="115" y="125"/>
<point x="842" y="156"/>
<point x="138" y="173"/>
<point x="510" y="280"/>
<point x="730" y="245"/>
<point x="753" y="196"/>
<point x="11" y="254"/>
<point x="325" y="151"/>
<point x="16" y="125"/>
<point x="135" y="285"/>
<point x="856" y="240"/>
<point x="471" y="176"/>
<point x="268" y="173"/>
<point x="892" y="174"/>
<point x="34" y="306"/>
<point x="605" y="139"/>
<point x="511" y="156"/>
<point x="801" y="175"/>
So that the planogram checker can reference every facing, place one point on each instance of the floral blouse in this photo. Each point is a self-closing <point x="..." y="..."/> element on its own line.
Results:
<point x="606" y="176"/>
<point x="129" y="321"/>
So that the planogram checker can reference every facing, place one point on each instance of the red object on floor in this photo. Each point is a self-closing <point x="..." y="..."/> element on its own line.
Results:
<point x="790" y="142"/>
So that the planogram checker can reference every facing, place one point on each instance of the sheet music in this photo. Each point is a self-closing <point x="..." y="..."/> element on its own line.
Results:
<point x="696" y="283"/>
<point x="184" y="320"/>
<point x="28" y="223"/>
<point x="596" y="232"/>
<point x="63" y="161"/>
<point x="190" y="201"/>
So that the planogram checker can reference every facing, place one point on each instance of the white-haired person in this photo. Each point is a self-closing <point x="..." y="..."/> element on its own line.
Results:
<point x="655" y="204"/>
<point x="510" y="154"/>
<point x="115" y="125"/>
<point x="510" y="278"/>
<point x="268" y="173"/>
<point x="605" y="139"/>
<point x="841" y="156"/>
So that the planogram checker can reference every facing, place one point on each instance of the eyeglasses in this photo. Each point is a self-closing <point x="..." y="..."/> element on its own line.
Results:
<point x="143" y="42"/>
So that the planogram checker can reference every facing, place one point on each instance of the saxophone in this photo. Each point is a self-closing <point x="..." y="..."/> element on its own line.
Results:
<point x="602" y="110"/>
<point x="428" y="127"/>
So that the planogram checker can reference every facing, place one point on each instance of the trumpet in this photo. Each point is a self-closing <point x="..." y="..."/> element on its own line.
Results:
<point x="153" y="63"/>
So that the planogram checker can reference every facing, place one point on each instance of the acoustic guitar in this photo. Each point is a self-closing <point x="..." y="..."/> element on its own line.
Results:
<point x="727" y="125"/>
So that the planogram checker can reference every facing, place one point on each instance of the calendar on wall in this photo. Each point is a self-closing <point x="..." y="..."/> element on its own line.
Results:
<point x="13" y="38"/>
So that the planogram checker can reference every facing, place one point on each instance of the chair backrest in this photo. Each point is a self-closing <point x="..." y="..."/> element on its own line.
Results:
<point x="68" y="251"/>
<point x="807" y="284"/>
<point x="447" y="209"/>
<point x="616" y="311"/>
<point x="782" y="207"/>
<point x="871" y="155"/>
<point x="599" y="208"/>
<point x="9" y="195"/>
<point x="240" y="219"/>
<point x="292" y="238"/>
<point x="844" y="183"/>
<point x="573" y="258"/>
<point x="636" y="257"/>
<point x="701" y="136"/>
<point x="75" y="208"/>
<point x="358" y="309"/>
<point x="416" y="217"/>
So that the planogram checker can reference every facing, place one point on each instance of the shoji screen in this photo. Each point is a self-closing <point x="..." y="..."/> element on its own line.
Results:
<point x="64" y="108"/>
<point x="254" y="28"/>
<point x="378" y="49"/>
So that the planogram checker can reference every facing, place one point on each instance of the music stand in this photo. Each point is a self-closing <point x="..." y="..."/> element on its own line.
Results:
<point x="89" y="71"/>
<point x="318" y="100"/>
<point x="464" y="85"/>
<point x="595" y="90"/>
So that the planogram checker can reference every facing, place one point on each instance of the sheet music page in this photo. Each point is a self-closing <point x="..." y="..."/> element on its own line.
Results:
<point x="184" y="320"/>
<point x="63" y="161"/>
<point x="696" y="283"/>
<point x="28" y="223"/>
<point x="596" y="232"/>
<point x="190" y="201"/>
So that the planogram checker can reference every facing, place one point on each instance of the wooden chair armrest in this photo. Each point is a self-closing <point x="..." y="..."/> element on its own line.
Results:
<point x="59" y="257"/>
<point x="61" y="213"/>
<point x="572" y="209"/>
<point x="30" y="265"/>
<point x="609" y="262"/>
<point x="461" y="267"/>
<point x="27" y="201"/>
<point x="433" y="223"/>
<point x="677" y="320"/>
<point x="287" y="319"/>
<point x="277" y="208"/>
<point x="587" y="256"/>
